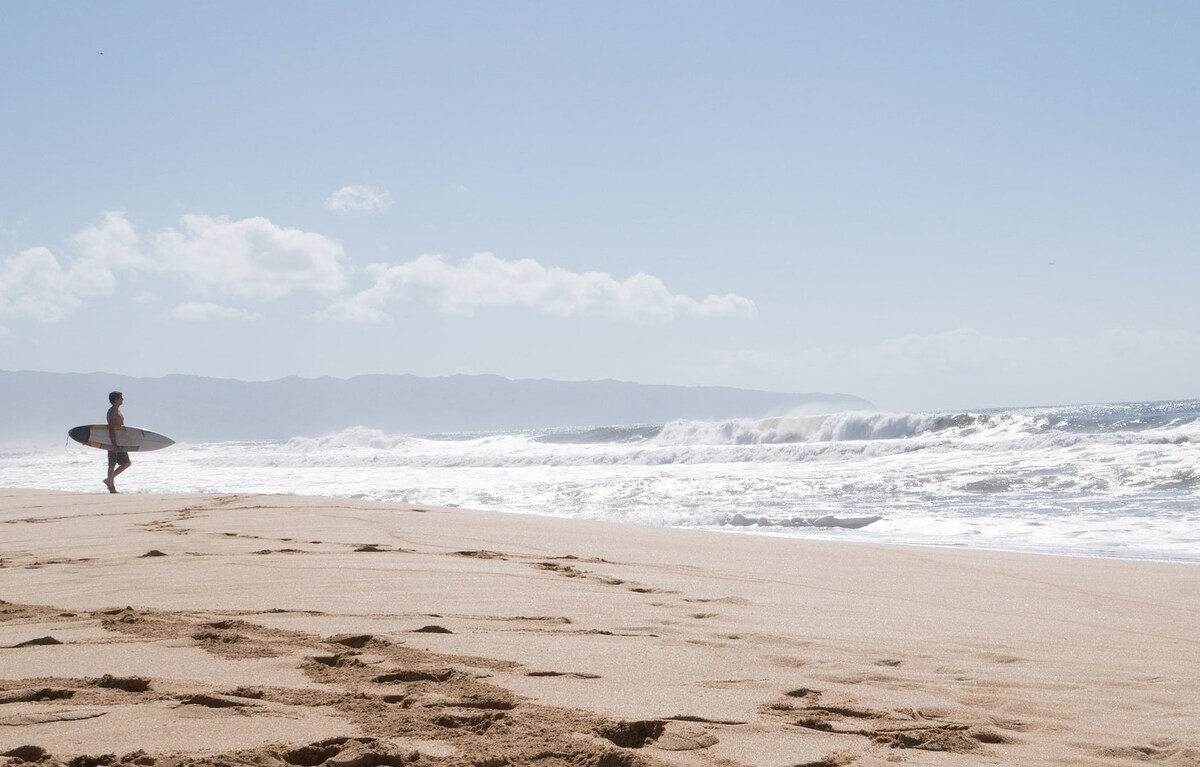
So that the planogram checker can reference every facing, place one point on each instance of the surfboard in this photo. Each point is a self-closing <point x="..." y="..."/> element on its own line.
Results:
<point x="129" y="438"/>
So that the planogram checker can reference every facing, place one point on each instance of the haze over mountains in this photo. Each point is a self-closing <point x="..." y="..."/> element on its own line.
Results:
<point x="43" y="406"/>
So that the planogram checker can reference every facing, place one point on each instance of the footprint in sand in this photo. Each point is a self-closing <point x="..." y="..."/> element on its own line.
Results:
<point x="416" y="675"/>
<point x="40" y="641"/>
<point x="35" y="695"/>
<point x="481" y="554"/>
<point x="353" y="641"/>
<point x="666" y="735"/>
<point x="720" y="601"/>
<point x="213" y="701"/>
<point x="126" y="683"/>
<point x="907" y="729"/>
<point x="27" y="753"/>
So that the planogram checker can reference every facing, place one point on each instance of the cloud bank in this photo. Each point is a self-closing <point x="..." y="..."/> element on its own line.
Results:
<point x="256" y="260"/>
<point x="249" y="259"/>
<point x="485" y="281"/>
<point x="252" y="258"/>
<point x="34" y="285"/>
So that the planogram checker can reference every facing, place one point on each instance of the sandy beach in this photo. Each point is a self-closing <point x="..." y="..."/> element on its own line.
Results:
<point x="282" y="630"/>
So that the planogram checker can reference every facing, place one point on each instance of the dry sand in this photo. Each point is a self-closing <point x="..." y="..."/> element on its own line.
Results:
<point x="277" y="630"/>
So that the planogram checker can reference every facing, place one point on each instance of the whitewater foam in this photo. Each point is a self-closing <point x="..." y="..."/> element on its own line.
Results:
<point x="1120" y="480"/>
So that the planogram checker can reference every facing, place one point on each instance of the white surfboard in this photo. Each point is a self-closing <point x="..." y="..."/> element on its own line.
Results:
<point x="129" y="438"/>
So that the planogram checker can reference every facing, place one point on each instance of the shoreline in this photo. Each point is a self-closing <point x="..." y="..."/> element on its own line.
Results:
<point x="936" y="546"/>
<point x="496" y="633"/>
<point x="772" y="531"/>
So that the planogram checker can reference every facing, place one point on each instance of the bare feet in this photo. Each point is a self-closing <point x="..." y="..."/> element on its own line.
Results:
<point x="112" y="488"/>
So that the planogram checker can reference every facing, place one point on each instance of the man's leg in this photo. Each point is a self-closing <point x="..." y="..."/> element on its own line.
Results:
<point x="117" y="463"/>
<point x="112" y="466"/>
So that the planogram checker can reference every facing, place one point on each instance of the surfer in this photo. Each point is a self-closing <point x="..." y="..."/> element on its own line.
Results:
<point x="118" y="461"/>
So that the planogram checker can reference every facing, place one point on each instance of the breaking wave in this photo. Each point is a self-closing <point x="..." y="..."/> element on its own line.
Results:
<point x="1118" y="479"/>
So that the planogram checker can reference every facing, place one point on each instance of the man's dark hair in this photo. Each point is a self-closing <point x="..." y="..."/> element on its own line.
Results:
<point x="112" y="397"/>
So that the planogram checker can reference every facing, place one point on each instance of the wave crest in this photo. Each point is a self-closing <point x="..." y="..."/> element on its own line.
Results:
<point x="353" y="437"/>
<point x="833" y="427"/>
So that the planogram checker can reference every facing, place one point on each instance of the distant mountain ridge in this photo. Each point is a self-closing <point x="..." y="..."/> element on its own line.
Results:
<point x="197" y="409"/>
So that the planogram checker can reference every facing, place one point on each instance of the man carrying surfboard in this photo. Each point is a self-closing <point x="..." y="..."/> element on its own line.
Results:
<point x="118" y="461"/>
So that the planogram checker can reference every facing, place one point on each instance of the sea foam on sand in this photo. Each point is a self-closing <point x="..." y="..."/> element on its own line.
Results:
<point x="188" y="629"/>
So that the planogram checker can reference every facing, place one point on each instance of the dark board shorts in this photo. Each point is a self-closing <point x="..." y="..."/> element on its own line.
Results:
<point x="118" y="459"/>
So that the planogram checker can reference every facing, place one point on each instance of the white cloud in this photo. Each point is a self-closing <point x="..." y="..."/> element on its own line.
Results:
<point x="357" y="308"/>
<point x="33" y="284"/>
<point x="358" y="198"/>
<point x="485" y="281"/>
<point x="256" y="259"/>
<point x="114" y="243"/>
<point x="197" y="311"/>
<point x="251" y="258"/>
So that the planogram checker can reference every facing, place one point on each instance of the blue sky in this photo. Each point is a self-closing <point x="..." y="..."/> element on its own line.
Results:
<point x="933" y="205"/>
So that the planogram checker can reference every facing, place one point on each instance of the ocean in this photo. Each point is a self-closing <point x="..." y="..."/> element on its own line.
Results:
<point x="1116" y="480"/>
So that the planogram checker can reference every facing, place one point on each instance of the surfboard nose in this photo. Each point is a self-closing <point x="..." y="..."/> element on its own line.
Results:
<point x="80" y="433"/>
